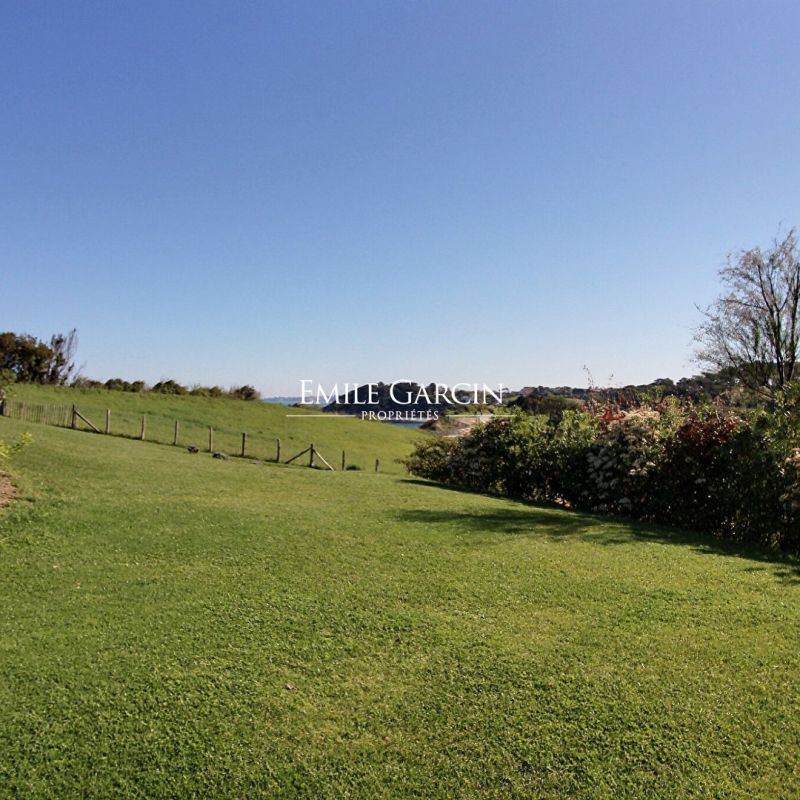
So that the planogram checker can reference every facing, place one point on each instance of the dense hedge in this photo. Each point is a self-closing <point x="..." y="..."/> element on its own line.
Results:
<point x="737" y="477"/>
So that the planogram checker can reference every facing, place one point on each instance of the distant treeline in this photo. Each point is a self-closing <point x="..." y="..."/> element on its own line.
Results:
<point x="706" y="387"/>
<point x="26" y="359"/>
<point x="554" y="401"/>
<point x="170" y="386"/>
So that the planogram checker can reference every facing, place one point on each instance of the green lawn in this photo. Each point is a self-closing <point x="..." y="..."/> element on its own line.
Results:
<point x="362" y="441"/>
<point x="175" y="626"/>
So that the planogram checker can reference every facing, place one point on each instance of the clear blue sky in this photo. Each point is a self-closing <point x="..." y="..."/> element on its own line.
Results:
<point x="454" y="191"/>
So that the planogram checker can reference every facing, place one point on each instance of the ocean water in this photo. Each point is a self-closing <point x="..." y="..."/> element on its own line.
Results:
<point x="282" y="401"/>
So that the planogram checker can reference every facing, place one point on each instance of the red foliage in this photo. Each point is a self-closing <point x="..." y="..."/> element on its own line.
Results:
<point x="609" y="415"/>
<point x="707" y="433"/>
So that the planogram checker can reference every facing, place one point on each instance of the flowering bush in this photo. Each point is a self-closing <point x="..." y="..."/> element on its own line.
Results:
<point x="731" y="476"/>
<point x="622" y="462"/>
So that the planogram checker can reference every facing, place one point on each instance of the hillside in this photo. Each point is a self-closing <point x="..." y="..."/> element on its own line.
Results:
<point x="363" y="441"/>
<point x="175" y="626"/>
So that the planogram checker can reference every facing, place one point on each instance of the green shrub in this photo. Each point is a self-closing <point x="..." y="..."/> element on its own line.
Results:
<point x="432" y="458"/>
<point x="169" y="387"/>
<point x="737" y="478"/>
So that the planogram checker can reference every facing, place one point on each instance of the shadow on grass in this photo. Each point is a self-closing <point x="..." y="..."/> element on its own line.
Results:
<point x="525" y="519"/>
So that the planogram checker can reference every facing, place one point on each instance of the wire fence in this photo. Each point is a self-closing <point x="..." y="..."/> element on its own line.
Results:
<point x="186" y="433"/>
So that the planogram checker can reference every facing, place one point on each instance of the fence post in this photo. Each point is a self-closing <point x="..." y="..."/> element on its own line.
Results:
<point x="144" y="427"/>
<point x="244" y="444"/>
<point x="311" y="455"/>
<point x="210" y="439"/>
<point x="344" y="461"/>
<point x="108" y="420"/>
<point x="377" y="464"/>
<point x="175" y="433"/>
<point x="278" y="450"/>
<point x="74" y="419"/>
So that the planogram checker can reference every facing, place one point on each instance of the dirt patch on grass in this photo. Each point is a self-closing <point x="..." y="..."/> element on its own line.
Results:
<point x="7" y="490"/>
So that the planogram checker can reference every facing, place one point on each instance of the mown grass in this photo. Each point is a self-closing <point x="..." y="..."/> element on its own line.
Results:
<point x="363" y="441"/>
<point x="175" y="626"/>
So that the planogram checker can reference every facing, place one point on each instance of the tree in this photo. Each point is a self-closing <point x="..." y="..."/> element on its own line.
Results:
<point x="34" y="361"/>
<point x="27" y="357"/>
<point x="753" y="328"/>
<point x="62" y="364"/>
<point x="7" y="377"/>
<point x="245" y="392"/>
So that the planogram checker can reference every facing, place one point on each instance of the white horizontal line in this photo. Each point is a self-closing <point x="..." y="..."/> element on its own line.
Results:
<point x="327" y="416"/>
<point x="399" y="419"/>
<point x="477" y="416"/>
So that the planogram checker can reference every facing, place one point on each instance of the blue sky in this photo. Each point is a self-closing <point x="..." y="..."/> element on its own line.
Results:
<point x="452" y="191"/>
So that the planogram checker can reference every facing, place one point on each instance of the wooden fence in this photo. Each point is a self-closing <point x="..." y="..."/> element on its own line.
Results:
<point x="266" y="449"/>
<point x="37" y="412"/>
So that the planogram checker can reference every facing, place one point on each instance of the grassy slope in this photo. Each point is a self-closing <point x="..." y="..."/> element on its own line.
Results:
<point x="156" y="605"/>
<point x="263" y="422"/>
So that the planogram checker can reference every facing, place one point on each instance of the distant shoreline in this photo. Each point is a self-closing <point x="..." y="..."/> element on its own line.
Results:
<point x="281" y="401"/>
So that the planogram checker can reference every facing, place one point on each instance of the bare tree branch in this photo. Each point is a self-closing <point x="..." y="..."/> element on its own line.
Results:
<point x="754" y="327"/>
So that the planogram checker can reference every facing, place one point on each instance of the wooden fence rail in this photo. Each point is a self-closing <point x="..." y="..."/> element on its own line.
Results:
<point x="76" y="415"/>
<point x="72" y="417"/>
